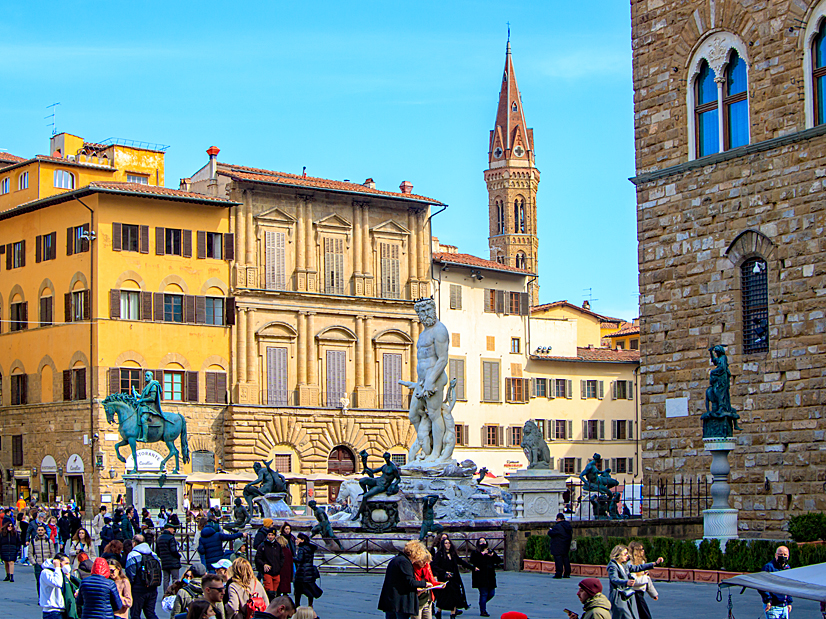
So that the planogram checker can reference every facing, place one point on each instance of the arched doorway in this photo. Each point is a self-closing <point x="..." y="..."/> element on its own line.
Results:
<point x="341" y="461"/>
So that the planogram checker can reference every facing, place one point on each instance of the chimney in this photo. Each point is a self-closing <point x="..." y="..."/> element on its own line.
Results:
<point x="406" y="187"/>
<point x="586" y="305"/>
<point x="185" y="184"/>
<point x="370" y="183"/>
<point x="212" y="182"/>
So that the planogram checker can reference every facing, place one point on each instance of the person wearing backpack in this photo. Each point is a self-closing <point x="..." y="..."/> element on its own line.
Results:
<point x="245" y="594"/>
<point x="191" y="589"/>
<point x="143" y="567"/>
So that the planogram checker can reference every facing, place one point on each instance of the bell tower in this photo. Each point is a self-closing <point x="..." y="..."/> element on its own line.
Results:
<point x="512" y="181"/>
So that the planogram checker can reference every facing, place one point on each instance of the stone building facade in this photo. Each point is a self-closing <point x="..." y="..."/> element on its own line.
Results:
<point x="324" y="280"/>
<point x="730" y="162"/>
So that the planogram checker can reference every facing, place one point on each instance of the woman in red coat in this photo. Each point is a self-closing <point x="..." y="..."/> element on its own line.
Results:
<point x="285" y="584"/>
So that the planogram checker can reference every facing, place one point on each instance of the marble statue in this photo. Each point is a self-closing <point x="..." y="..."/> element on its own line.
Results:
<point x="388" y="483"/>
<point x="266" y="482"/>
<point x="323" y="528"/>
<point x="720" y="418"/>
<point x="428" y="516"/>
<point x="430" y="410"/>
<point x="535" y="448"/>
<point x="241" y="514"/>
<point x="141" y="419"/>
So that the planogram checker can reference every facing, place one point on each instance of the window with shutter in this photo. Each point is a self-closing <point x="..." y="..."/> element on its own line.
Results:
<point x="144" y="239"/>
<point x="201" y="242"/>
<point x="490" y="300"/>
<point x="456" y="369"/>
<point x="129" y="304"/>
<point x="490" y="381"/>
<point x="501" y="307"/>
<point x="631" y="430"/>
<point x="214" y="245"/>
<point x="46" y="311"/>
<point x="275" y="267"/>
<point x="456" y="297"/>
<point x="216" y="387"/>
<point x="19" y="389"/>
<point x="392" y="374"/>
<point x="173" y="386"/>
<point x="569" y="389"/>
<point x="146" y="306"/>
<point x="189" y="309"/>
<point x="334" y="266"/>
<point x="128" y="379"/>
<point x="17" y="450"/>
<point x="389" y="256"/>
<point x="229" y="246"/>
<point x="192" y="387"/>
<point x="602" y="430"/>
<point x="214" y="311"/>
<point x="79" y="384"/>
<point x="277" y="394"/>
<point x="601" y="391"/>
<point x="524" y="304"/>
<point x="629" y="389"/>
<point x="336" y="377"/>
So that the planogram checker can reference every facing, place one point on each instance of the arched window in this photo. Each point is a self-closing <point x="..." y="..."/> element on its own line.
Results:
<point x="64" y="179"/>
<point x="754" y="289"/>
<point x="521" y="260"/>
<point x="519" y="215"/>
<point x="341" y="461"/>
<point x="705" y="112"/>
<point x="735" y="103"/>
<point x="500" y="217"/>
<point x="819" y="74"/>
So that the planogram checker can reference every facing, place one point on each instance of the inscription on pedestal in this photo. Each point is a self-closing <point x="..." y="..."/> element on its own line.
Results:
<point x="155" y="498"/>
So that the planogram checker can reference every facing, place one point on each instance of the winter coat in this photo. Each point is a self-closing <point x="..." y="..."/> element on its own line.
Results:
<point x="269" y="553"/>
<point x="260" y="536"/>
<point x="125" y="592"/>
<point x="72" y="607"/>
<point x="51" y="589"/>
<point x="210" y="546"/>
<point x="75" y="548"/>
<point x="305" y="571"/>
<point x="237" y="596"/>
<point x="42" y="550"/>
<point x="97" y="526"/>
<point x="597" y="607"/>
<point x="99" y="597"/>
<point x="773" y="598"/>
<point x="127" y="530"/>
<point x="133" y="563"/>
<point x="618" y="576"/>
<point x="9" y="545"/>
<point x="31" y="533"/>
<point x="485" y="576"/>
<point x="399" y="592"/>
<point x="453" y="595"/>
<point x="285" y="584"/>
<point x="186" y="594"/>
<point x="561" y="535"/>
<point x="64" y="527"/>
<point x="167" y="549"/>
<point x="426" y="574"/>
<point x="106" y="536"/>
<point x="291" y="542"/>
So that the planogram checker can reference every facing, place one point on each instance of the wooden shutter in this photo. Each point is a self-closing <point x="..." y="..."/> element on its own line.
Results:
<point x="114" y="380"/>
<point x="200" y="310"/>
<point x="569" y="388"/>
<point x="613" y="390"/>
<point x="229" y="246"/>
<point x="277" y="394"/>
<point x="500" y="302"/>
<point x="53" y="246"/>
<point x="456" y="369"/>
<point x="550" y="429"/>
<point x="533" y="388"/>
<point x="614" y="429"/>
<point x="570" y="433"/>
<point x="9" y="256"/>
<point x="583" y="386"/>
<point x="157" y="302"/>
<point x="524" y="304"/>
<point x="87" y="305"/>
<point x="601" y="430"/>
<point x="85" y="243"/>
<point x="392" y="374"/>
<point x="38" y="247"/>
<point x="630" y="434"/>
<point x="158" y="376"/>
<point x="220" y="387"/>
<point x="550" y="390"/>
<point x="189" y="308"/>
<point x="500" y="439"/>
<point x="67" y="307"/>
<point x="117" y="236"/>
<point x="601" y="389"/>
<point x="114" y="303"/>
<point x="144" y="239"/>
<point x="229" y="311"/>
<point x="45" y="312"/>
<point x="67" y="385"/>
<point x="629" y="390"/>
<point x="389" y="259"/>
<point x="70" y="241"/>
<point x="191" y="386"/>
<point x="186" y="243"/>
<point x="585" y="436"/>
<point x="80" y="383"/>
<point x="146" y="306"/>
<point x="275" y="260"/>
<point x="336" y="377"/>
<point x="488" y="307"/>
<point x="209" y="383"/>
<point x="202" y="241"/>
<point x="160" y="241"/>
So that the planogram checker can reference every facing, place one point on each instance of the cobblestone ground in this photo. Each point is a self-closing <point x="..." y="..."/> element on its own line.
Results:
<point x="354" y="596"/>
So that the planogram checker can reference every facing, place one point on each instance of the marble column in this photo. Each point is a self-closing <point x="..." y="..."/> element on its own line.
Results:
<point x="251" y="352"/>
<point x="301" y="345"/>
<point x="368" y="353"/>
<point x="312" y="355"/>
<point x="359" y="351"/>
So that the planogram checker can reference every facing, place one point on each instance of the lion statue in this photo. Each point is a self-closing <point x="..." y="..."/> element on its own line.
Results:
<point x="535" y="448"/>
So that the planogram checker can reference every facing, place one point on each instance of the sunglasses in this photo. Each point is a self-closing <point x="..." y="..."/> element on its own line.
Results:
<point x="221" y="589"/>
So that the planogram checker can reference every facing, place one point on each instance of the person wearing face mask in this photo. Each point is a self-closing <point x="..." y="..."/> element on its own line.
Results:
<point x="51" y="588"/>
<point x="484" y="560"/>
<point x="777" y="606"/>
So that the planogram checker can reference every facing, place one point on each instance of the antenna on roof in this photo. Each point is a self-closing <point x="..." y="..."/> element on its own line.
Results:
<point x="509" y="32"/>
<point x="590" y="292"/>
<point x="53" y="115"/>
<point x="304" y="172"/>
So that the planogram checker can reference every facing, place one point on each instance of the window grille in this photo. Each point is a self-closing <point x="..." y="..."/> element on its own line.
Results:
<point x="755" y="299"/>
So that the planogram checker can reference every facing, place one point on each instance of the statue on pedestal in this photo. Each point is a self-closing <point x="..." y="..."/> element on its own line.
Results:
<point x="323" y="528"/>
<point x="141" y="419"/>
<point x="599" y="484"/>
<point x="428" y="516"/>
<point x="266" y="482"/>
<point x="535" y="448"/>
<point x="241" y="514"/>
<point x="388" y="483"/>
<point x="720" y="418"/>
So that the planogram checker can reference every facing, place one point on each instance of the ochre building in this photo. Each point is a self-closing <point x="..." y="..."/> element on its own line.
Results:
<point x="730" y="155"/>
<point x="324" y="277"/>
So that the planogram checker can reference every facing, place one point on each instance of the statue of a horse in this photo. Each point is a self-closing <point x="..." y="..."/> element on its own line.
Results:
<point x="124" y="406"/>
<point x="349" y="496"/>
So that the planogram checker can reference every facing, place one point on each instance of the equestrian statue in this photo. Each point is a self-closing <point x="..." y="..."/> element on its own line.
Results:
<point x="141" y="419"/>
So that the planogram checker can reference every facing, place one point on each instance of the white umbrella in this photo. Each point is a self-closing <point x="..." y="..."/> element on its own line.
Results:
<point x="807" y="582"/>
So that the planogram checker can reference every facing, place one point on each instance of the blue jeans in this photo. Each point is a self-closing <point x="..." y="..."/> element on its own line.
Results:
<point x="777" y="612"/>
<point x="52" y="614"/>
<point x="485" y="594"/>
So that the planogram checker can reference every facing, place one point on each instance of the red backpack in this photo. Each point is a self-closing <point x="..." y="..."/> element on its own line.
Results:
<point x="254" y="604"/>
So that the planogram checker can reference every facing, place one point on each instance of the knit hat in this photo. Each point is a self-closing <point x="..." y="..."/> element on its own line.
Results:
<point x="198" y="569"/>
<point x="591" y="586"/>
<point x="101" y="567"/>
<point x="514" y="614"/>
<point x="268" y="522"/>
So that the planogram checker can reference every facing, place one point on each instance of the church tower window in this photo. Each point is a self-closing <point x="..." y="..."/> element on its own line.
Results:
<point x="521" y="261"/>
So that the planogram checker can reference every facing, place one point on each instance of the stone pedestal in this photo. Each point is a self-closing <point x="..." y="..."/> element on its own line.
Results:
<point x="461" y="498"/>
<point x="720" y="522"/>
<point x="156" y="490"/>
<point x="537" y="494"/>
<point x="381" y="513"/>
<point x="273" y="506"/>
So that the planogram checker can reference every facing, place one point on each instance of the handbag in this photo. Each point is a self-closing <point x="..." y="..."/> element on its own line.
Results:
<point x="626" y="594"/>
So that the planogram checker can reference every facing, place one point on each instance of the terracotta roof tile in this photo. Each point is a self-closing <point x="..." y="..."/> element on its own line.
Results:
<point x="474" y="261"/>
<point x="281" y="178"/>
<point x="544" y="306"/>
<point x="155" y="190"/>
<point x="8" y="157"/>
<point x="603" y="355"/>
<point x="626" y="330"/>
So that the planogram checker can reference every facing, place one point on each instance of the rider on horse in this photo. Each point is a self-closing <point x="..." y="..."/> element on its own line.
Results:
<point x="149" y="404"/>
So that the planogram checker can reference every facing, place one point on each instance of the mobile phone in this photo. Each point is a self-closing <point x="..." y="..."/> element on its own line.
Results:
<point x="568" y="611"/>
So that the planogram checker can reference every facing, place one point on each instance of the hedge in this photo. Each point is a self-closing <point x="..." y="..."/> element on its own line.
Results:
<point x="808" y="527"/>
<point x="740" y="556"/>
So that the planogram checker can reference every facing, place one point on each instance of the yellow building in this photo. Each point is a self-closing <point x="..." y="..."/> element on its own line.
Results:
<point x="104" y="279"/>
<point x="324" y="279"/>
<point x="627" y="338"/>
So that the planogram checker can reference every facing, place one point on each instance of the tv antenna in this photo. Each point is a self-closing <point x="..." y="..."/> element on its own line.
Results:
<point x="53" y="116"/>
<point x="590" y="292"/>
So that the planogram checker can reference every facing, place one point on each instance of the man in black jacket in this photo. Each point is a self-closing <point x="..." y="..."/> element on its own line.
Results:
<point x="168" y="553"/>
<point x="561" y="535"/>
<point x="399" y="593"/>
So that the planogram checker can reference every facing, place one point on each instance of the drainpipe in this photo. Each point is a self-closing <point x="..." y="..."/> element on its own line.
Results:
<point x="92" y="365"/>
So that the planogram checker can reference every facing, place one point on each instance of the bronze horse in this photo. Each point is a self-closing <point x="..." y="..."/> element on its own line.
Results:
<point x="124" y="406"/>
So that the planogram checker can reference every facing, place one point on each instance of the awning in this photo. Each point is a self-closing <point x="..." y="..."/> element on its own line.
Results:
<point x="807" y="582"/>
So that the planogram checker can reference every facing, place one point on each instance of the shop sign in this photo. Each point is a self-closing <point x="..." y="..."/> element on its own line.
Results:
<point x="22" y="473"/>
<point x="74" y="465"/>
<point x="148" y="460"/>
<point x="48" y="465"/>
<point x="513" y="464"/>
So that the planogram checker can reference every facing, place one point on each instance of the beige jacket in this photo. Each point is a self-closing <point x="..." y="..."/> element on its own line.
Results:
<point x="238" y="596"/>
<point x="125" y="590"/>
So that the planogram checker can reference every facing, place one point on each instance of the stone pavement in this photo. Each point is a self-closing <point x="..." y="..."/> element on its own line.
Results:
<point x="354" y="596"/>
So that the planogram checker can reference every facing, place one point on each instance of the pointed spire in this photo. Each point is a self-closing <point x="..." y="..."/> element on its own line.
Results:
<point x="510" y="137"/>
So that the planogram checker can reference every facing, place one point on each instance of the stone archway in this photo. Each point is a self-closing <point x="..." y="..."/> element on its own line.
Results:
<point x="341" y="461"/>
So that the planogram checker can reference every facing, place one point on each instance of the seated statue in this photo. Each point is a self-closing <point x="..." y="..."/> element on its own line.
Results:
<point x="241" y="514"/>
<point x="388" y="483"/>
<point x="266" y="482"/>
<point x="596" y="480"/>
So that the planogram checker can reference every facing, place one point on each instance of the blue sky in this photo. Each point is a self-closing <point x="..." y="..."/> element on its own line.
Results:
<point x="389" y="90"/>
